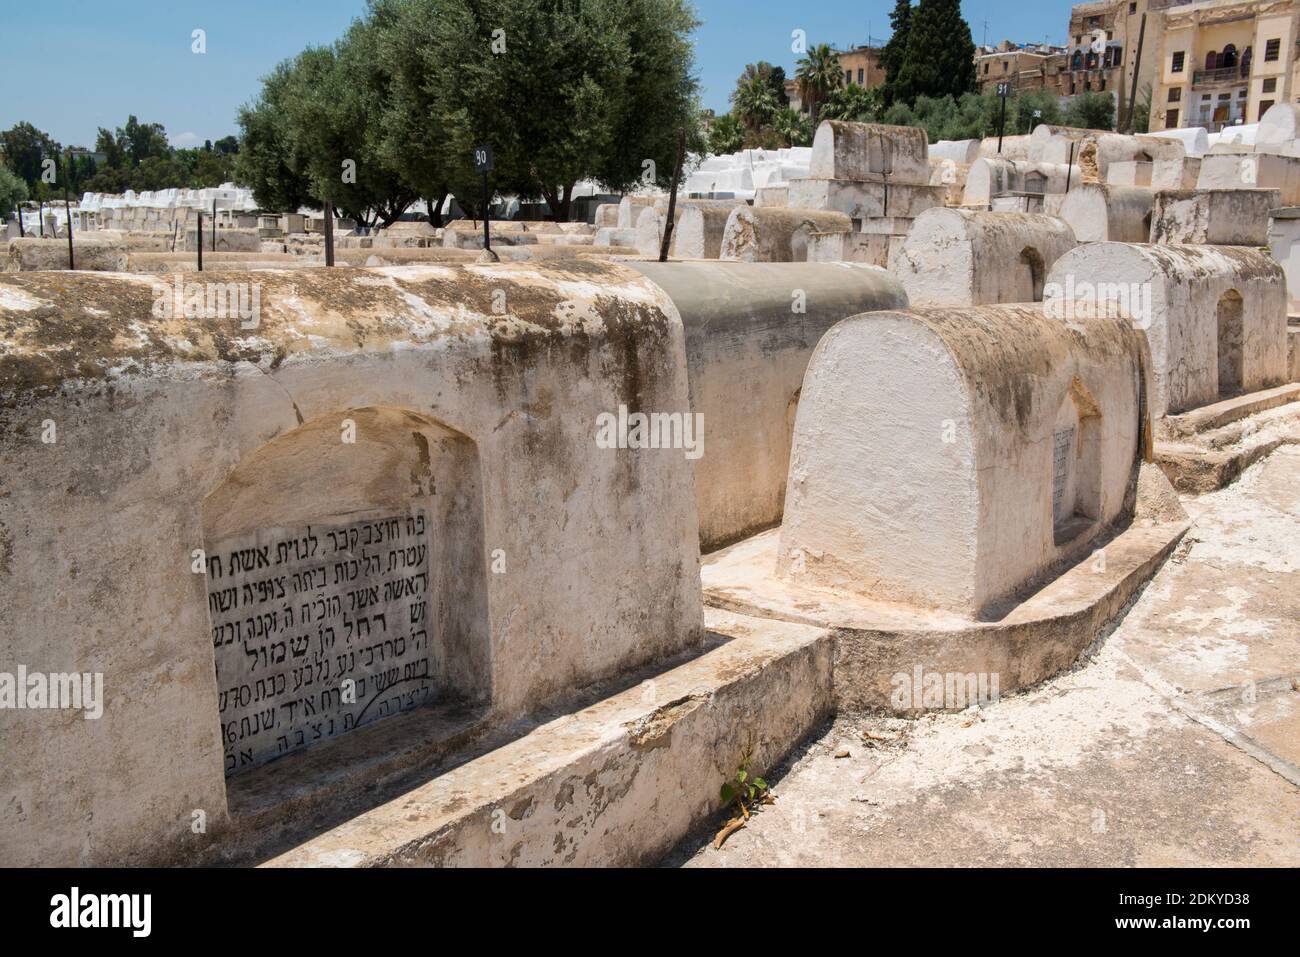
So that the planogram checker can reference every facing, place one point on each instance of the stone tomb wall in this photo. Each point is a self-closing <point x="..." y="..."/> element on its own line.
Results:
<point x="388" y="593"/>
<point x="180" y="440"/>
<point x="961" y="257"/>
<point x="954" y="458"/>
<point x="1213" y="316"/>
<point x="750" y="330"/>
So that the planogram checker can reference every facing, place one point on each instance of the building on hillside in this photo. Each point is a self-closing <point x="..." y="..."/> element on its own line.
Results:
<point x="1224" y="62"/>
<point x="1103" y="50"/>
<point x="1026" y="66"/>
<point x="860" y="66"/>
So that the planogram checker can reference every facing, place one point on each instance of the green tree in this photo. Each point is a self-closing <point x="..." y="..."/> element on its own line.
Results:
<point x="774" y="76"/>
<point x="1090" y="111"/>
<point x="336" y="103"/>
<point x="12" y="191"/>
<point x="1021" y="109"/>
<point x="270" y="160"/>
<point x="726" y="134"/>
<point x="142" y="141"/>
<point x="940" y="56"/>
<point x="563" y="92"/>
<point x="754" y="102"/>
<point x="793" y="127"/>
<point x="854" y="103"/>
<point x="818" y="75"/>
<point x="414" y="137"/>
<point x="24" y="148"/>
<point x="892" y="54"/>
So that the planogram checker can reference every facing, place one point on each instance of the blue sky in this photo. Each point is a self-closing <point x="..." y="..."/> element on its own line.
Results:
<point x="71" y="66"/>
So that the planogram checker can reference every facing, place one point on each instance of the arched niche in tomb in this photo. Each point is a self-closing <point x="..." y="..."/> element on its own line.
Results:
<point x="1076" y="461"/>
<point x="1031" y="270"/>
<point x="1228" y="316"/>
<point x="346" y="581"/>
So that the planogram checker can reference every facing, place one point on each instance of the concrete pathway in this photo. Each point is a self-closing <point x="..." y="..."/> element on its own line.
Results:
<point x="1177" y="743"/>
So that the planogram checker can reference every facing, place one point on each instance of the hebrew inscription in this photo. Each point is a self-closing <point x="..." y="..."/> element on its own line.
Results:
<point x="1062" y="446"/>
<point x="317" y="630"/>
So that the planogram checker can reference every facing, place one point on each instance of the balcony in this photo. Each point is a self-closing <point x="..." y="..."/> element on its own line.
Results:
<point x="1224" y="74"/>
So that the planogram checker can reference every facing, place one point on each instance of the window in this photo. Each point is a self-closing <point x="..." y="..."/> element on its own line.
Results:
<point x="1132" y="9"/>
<point x="1175" y="94"/>
<point x="1263" y="108"/>
<point x="1271" y="50"/>
<point x="1004" y="66"/>
<point x="1171" y="119"/>
<point x="1270" y="85"/>
<point x="1177" y="65"/>
<point x="848" y="77"/>
<point x="986" y="69"/>
<point x="859" y="76"/>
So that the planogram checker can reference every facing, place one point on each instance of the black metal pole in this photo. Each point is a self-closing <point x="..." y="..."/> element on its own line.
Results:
<point x="40" y="217"/>
<point x="1137" y="65"/>
<point x="21" y="232"/>
<point x="1002" y="121"/>
<point x="198" y="234"/>
<point x="1069" y="166"/>
<point x="487" y="237"/>
<point x="67" y="209"/>
<point x="214" y="225"/>
<point x="329" y="233"/>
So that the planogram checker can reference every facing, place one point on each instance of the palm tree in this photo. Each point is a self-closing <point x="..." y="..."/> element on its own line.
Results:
<point x="792" y="126"/>
<point x="754" y="102"/>
<point x="774" y="75"/>
<point x="853" y="103"/>
<point x="726" y="135"/>
<point x="818" y="75"/>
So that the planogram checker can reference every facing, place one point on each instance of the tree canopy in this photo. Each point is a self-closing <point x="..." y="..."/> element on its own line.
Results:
<point x="12" y="191"/>
<point x="818" y="75"/>
<point x="939" y="59"/>
<point x="560" y="92"/>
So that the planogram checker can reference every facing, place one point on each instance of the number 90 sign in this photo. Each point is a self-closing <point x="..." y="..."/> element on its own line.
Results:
<point x="482" y="159"/>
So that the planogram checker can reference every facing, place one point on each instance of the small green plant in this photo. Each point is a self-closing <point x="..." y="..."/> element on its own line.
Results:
<point x="744" y="794"/>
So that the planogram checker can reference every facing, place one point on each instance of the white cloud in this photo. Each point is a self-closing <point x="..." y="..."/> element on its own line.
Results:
<point x="185" y="139"/>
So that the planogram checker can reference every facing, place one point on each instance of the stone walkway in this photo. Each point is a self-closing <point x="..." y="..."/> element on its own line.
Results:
<point x="1177" y="743"/>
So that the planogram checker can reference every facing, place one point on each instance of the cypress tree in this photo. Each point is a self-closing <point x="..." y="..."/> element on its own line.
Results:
<point x="940" y="55"/>
<point x="891" y="55"/>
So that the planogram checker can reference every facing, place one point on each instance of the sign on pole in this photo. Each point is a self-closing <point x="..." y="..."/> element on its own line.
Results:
<point x="1003" y="90"/>
<point x="483" y="164"/>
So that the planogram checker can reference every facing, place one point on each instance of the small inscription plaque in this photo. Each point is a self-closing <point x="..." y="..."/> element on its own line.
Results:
<point x="317" y="630"/>
<point x="1062" y="446"/>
